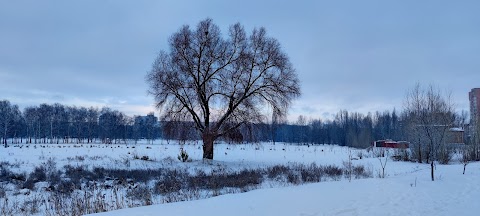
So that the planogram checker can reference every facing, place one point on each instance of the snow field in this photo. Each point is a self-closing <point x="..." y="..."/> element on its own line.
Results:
<point x="406" y="190"/>
<point x="407" y="194"/>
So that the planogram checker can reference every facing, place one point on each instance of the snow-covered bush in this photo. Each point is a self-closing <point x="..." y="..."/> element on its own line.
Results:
<point x="171" y="181"/>
<point x="141" y="193"/>
<point x="37" y="175"/>
<point x="333" y="172"/>
<point x="359" y="171"/>
<point x="221" y="179"/>
<point x="277" y="171"/>
<point x="293" y="178"/>
<point x="312" y="173"/>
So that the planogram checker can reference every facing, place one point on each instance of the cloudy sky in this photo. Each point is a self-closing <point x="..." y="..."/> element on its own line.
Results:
<point x="356" y="55"/>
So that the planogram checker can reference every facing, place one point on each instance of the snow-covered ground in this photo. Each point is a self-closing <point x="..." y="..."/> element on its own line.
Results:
<point x="406" y="190"/>
<point x="163" y="154"/>
<point x="407" y="194"/>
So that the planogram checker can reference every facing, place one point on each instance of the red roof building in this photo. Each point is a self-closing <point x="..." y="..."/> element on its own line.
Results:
<point x="391" y="144"/>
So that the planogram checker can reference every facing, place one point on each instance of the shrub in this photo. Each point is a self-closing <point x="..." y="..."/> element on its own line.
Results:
<point x="80" y="158"/>
<point x="31" y="205"/>
<point x="66" y="187"/>
<point x="99" y="172"/>
<point x="183" y="195"/>
<point x="333" y="172"/>
<point x="29" y="184"/>
<point x="138" y="157"/>
<point x="360" y="172"/>
<point x="245" y="178"/>
<point x="18" y="177"/>
<point x="141" y="193"/>
<point x="183" y="156"/>
<point x="4" y="164"/>
<point x="172" y="181"/>
<point x="80" y="173"/>
<point x="5" y="173"/>
<point x="445" y="155"/>
<point x="221" y="180"/>
<point x="312" y="173"/>
<point x="292" y="178"/>
<point x="277" y="171"/>
<point x="54" y="177"/>
<point x="2" y="191"/>
<point x="136" y="175"/>
<point x="37" y="175"/>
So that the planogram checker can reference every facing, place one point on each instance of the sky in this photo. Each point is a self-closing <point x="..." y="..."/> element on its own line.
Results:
<point x="360" y="56"/>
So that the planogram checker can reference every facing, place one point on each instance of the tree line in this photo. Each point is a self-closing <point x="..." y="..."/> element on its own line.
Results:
<point x="57" y="123"/>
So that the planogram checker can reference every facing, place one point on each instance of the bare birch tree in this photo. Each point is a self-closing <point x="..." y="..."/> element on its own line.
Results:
<point x="6" y="119"/>
<point x="430" y="116"/>
<point x="473" y="147"/>
<point x="221" y="84"/>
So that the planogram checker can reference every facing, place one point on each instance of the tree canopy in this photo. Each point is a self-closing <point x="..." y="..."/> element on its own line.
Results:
<point x="221" y="83"/>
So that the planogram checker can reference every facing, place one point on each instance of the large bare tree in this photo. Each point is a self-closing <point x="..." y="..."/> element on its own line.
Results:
<point x="430" y="114"/>
<point x="221" y="83"/>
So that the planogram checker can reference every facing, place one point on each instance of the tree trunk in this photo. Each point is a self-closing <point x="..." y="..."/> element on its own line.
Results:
<point x="5" y="137"/>
<point x="208" y="139"/>
<point x="419" y="154"/>
<point x="432" y="166"/>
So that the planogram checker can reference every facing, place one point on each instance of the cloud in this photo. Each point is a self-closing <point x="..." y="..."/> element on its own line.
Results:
<point x="360" y="56"/>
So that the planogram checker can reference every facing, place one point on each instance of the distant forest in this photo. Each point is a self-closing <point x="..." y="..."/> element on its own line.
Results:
<point x="57" y="123"/>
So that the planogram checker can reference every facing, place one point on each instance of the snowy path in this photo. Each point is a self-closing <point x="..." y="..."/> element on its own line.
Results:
<point x="451" y="194"/>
